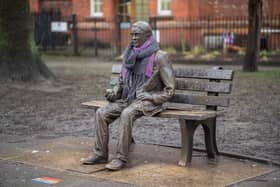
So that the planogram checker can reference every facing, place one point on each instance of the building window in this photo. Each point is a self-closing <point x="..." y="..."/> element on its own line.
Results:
<point x="164" y="7"/>
<point x="96" y="8"/>
<point x="125" y="10"/>
<point x="142" y="10"/>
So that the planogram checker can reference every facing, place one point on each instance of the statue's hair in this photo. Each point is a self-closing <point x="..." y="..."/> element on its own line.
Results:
<point x="144" y="26"/>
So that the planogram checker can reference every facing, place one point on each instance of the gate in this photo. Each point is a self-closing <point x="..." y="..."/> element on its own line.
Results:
<point x="51" y="30"/>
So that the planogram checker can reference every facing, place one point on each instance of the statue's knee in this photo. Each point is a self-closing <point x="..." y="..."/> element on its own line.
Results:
<point x="100" y="113"/>
<point x="127" y="112"/>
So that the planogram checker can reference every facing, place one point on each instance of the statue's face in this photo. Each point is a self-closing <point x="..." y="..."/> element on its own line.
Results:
<point x="138" y="36"/>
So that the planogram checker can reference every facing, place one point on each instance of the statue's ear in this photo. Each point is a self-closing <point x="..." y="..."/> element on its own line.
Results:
<point x="147" y="35"/>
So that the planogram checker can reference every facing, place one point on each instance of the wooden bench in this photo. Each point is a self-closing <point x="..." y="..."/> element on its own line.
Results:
<point x="195" y="102"/>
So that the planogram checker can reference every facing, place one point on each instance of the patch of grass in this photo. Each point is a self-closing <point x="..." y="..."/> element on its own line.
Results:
<point x="79" y="64"/>
<point x="275" y="52"/>
<point x="273" y="75"/>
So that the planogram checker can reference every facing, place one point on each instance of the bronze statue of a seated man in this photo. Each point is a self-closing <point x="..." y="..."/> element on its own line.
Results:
<point x="146" y="82"/>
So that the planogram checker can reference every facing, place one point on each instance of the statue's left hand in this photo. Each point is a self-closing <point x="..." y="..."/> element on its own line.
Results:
<point x="145" y="96"/>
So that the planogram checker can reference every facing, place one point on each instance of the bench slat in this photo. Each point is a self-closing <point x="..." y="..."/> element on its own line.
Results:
<point x="114" y="80"/>
<point x="195" y="85"/>
<point x="95" y="103"/>
<point x="199" y="85"/>
<point x="190" y="115"/>
<point x="180" y="114"/>
<point x="116" y="68"/>
<point x="204" y="73"/>
<point x="200" y="100"/>
<point x="193" y="73"/>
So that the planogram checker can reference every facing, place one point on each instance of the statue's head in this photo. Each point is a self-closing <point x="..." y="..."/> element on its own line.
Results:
<point x="140" y="32"/>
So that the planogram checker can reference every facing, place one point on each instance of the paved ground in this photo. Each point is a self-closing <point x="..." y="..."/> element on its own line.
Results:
<point x="268" y="180"/>
<point x="14" y="174"/>
<point x="22" y="160"/>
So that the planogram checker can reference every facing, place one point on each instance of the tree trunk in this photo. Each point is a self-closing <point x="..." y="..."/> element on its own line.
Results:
<point x="253" y="43"/>
<point x="17" y="60"/>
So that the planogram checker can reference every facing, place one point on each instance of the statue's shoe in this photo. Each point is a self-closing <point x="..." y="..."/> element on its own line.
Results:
<point x="94" y="159"/>
<point x="115" y="164"/>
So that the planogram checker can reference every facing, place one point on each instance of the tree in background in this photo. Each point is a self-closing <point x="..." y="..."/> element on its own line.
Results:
<point x="19" y="61"/>
<point x="253" y="43"/>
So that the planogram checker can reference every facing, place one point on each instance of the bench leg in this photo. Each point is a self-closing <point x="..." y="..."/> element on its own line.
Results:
<point x="132" y="140"/>
<point x="214" y="137"/>
<point x="210" y="139"/>
<point x="187" y="131"/>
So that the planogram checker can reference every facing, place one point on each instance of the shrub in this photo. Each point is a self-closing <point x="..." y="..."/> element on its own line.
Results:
<point x="170" y="50"/>
<point x="211" y="55"/>
<point x="242" y="51"/>
<point x="275" y="52"/>
<point x="197" y="51"/>
<point x="263" y="53"/>
<point x="182" y="47"/>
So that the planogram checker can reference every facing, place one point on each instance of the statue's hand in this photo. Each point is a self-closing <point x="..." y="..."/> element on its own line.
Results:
<point x="145" y="96"/>
<point x="110" y="95"/>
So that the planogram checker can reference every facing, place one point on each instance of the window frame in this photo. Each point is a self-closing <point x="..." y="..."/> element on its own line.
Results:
<point x="92" y="11"/>
<point x="163" y="12"/>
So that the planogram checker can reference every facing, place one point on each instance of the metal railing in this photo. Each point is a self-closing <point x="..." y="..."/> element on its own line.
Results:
<point x="108" y="38"/>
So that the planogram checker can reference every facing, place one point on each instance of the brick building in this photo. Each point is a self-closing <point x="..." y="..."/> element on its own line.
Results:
<point x="142" y="9"/>
<point x="104" y="14"/>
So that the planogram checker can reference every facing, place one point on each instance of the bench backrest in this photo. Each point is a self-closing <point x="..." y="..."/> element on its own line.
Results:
<point x="196" y="86"/>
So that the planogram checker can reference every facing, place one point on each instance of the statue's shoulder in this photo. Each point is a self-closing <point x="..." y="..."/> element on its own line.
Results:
<point x="161" y="53"/>
<point x="161" y="57"/>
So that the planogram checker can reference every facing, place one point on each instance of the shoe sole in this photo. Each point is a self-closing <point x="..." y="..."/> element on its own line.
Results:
<point x="114" y="169"/>
<point x="92" y="163"/>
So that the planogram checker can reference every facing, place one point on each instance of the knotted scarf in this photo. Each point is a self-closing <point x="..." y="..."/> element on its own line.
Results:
<point x="137" y="67"/>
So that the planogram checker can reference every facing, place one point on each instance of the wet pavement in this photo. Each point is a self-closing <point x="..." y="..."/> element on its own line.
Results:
<point x="271" y="179"/>
<point x="22" y="160"/>
<point x="15" y="174"/>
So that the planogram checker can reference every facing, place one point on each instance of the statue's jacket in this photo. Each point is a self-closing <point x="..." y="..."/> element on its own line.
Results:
<point x="161" y="85"/>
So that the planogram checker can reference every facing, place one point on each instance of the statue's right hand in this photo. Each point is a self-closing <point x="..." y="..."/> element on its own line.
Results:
<point x="109" y="95"/>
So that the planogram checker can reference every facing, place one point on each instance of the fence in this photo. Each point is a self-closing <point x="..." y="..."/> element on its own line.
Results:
<point x="101" y="37"/>
<point x="214" y="32"/>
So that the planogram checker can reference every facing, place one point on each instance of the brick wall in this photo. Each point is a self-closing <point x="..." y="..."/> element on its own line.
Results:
<point x="65" y="6"/>
<point x="153" y="8"/>
<point x="188" y="8"/>
<point x="109" y="8"/>
<point x="234" y="7"/>
<point x="223" y="7"/>
<point x="81" y="8"/>
<point x="34" y="5"/>
<point x="275" y="7"/>
<point x="180" y="8"/>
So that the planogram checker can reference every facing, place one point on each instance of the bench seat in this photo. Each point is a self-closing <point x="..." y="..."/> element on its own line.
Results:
<point x="187" y="114"/>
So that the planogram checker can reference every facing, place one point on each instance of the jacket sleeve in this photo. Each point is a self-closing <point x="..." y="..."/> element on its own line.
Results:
<point x="167" y="77"/>
<point x="117" y="89"/>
